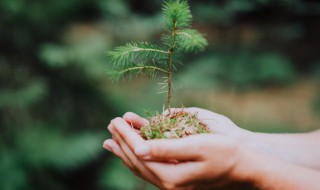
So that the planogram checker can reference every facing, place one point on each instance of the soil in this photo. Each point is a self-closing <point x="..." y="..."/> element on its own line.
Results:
<point x="175" y="125"/>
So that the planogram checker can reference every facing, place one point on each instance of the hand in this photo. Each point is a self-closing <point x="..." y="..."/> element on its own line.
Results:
<point x="219" y="160"/>
<point x="120" y="148"/>
<point x="217" y="123"/>
<point x="210" y="162"/>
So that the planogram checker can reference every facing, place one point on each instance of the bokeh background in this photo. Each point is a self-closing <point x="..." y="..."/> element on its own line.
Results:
<point x="261" y="69"/>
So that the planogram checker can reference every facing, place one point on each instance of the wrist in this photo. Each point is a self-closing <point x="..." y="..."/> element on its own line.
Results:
<point x="253" y="141"/>
<point x="248" y="163"/>
<point x="245" y="138"/>
<point x="264" y="172"/>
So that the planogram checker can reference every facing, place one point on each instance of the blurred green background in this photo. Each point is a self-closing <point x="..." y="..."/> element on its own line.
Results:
<point x="261" y="69"/>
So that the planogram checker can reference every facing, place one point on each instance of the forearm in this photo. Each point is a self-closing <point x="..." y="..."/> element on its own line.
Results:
<point x="267" y="173"/>
<point x="300" y="149"/>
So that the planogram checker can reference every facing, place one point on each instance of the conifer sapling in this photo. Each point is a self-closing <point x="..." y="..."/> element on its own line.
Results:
<point x="144" y="58"/>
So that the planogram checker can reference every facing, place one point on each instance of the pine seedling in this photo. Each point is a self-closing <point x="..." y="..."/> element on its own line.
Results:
<point x="136" y="58"/>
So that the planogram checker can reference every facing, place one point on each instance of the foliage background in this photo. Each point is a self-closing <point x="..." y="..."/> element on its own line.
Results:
<point x="262" y="69"/>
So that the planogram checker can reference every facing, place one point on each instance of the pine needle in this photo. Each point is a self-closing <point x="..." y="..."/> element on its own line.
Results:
<point x="191" y="40"/>
<point x="177" y="14"/>
<point x="136" y="58"/>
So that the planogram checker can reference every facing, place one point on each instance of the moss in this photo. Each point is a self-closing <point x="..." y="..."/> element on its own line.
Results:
<point x="173" y="125"/>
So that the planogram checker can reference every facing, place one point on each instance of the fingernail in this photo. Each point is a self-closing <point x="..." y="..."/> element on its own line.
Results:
<point x="107" y="147"/>
<point x="117" y="119"/>
<point x="110" y="129"/>
<point x="142" y="151"/>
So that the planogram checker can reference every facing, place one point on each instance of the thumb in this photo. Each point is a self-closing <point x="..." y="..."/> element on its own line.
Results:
<point x="167" y="150"/>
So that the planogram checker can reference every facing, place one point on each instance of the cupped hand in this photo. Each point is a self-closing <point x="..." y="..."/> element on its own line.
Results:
<point x="195" y="162"/>
<point x="218" y="124"/>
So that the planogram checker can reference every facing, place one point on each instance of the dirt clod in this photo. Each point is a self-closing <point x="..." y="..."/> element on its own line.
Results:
<point x="177" y="124"/>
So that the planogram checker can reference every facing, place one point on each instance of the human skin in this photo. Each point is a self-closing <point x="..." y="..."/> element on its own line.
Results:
<point x="203" y="161"/>
<point x="300" y="148"/>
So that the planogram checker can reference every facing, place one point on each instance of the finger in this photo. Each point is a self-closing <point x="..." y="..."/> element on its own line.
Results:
<point x="127" y="153"/>
<point x="115" y="148"/>
<point x="136" y="166"/>
<point x="179" y="174"/>
<point x="112" y="146"/>
<point x="110" y="128"/>
<point x="108" y="144"/>
<point x="135" y="120"/>
<point x="131" y="138"/>
<point x="185" y="149"/>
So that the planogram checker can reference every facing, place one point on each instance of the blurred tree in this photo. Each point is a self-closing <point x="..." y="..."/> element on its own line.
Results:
<point x="55" y="99"/>
<point x="52" y="106"/>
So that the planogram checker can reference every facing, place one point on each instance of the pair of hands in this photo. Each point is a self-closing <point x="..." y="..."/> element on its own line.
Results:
<point x="197" y="162"/>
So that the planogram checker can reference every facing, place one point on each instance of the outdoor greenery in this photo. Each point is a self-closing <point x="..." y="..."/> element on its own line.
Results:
<point x="56" y="98"/>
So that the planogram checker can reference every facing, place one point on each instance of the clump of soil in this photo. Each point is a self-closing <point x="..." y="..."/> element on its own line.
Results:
<point x="173" y="126"/>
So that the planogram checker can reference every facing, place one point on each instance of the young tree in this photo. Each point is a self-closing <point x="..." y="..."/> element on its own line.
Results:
<point x="144" y="58"/>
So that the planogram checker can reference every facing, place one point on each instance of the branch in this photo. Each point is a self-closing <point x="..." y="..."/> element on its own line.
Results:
<point x="135" y="70"/>
<point x="142" y="68"/>
<point x="124" y="55"/>
<point x="191" y="40"/>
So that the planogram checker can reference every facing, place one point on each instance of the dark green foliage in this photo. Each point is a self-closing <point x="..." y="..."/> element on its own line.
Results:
<point x="60" y="151"/>
<point x="55" y="98"/>
<point x="260" y="70"/>
<point x="52" y="109"/>
<point x="228" y="11"/>
<point x="316" y="71"/>
<point x="316" y="104"/>
<point x="242" y="70"/>
<point x="31" y="93"/>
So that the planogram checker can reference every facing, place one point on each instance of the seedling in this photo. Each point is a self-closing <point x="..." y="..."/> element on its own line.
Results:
<point x="136" y="58"/>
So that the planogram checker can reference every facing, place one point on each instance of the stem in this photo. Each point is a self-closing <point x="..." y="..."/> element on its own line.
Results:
<point x="169" y="72"/>
<point x="169" y="81"/>
<point x="142" y="49"/>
